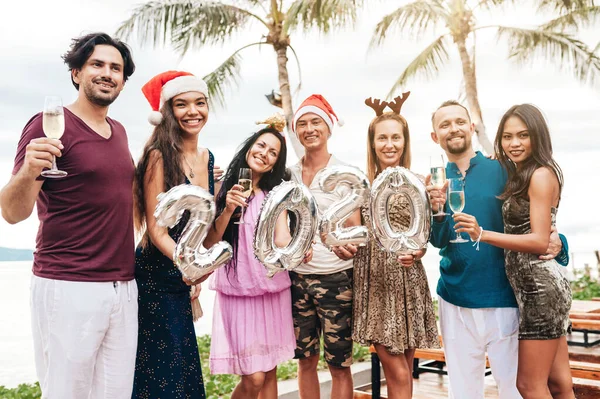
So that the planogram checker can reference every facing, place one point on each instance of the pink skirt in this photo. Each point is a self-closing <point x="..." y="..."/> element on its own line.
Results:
<point x="251" y="334"/>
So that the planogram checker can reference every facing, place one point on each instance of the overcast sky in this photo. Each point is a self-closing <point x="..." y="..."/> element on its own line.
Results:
<point x="33" y="35"/>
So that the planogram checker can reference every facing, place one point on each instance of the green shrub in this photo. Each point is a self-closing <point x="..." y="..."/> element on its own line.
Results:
<point x="23" y="391"/>
<point x="585" y="288"/>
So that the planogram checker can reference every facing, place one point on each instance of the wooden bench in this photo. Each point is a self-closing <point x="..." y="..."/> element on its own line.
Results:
<point x="435" y="360"/>
<point x="585" y="369"/>
<point x="586" y="323"/>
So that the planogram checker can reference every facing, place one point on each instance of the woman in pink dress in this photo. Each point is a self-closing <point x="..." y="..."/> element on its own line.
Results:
<point x="253" y="329"/>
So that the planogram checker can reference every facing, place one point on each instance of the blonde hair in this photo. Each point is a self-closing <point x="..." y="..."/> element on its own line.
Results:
<point x="372" y="163"/>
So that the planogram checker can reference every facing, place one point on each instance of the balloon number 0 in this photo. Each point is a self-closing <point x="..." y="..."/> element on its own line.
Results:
<point x="400" y="181"/>
<point x="331" y="228"/>
<point x="192" y="259"/>
<point x="295" y="198"/>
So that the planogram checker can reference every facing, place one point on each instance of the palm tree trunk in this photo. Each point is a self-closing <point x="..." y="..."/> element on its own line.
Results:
<point x="286" y="97"/>
<point x="470" y="79"/>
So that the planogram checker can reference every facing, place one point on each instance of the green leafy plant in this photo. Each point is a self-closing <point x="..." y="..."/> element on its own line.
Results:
<point x="585" y="288"/>
<point x="23" y="391"/>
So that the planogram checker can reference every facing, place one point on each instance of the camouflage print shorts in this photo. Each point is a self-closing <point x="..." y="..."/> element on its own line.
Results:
<point x="322" y="305"/>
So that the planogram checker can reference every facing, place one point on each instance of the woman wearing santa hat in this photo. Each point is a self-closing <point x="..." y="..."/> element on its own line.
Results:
<point x="167" y="363"/>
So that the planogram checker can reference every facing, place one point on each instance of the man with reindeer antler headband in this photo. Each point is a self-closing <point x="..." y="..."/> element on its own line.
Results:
<point x="392" y="308"/>
<point x="322" y="288"/>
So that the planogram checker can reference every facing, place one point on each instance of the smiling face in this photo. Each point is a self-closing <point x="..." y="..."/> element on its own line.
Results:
<point x="263" y="154"/>
<point x="101" y="79"/>
<point x="312" y="131"/>
<point x="388" y="143"/>
<point x="452" y="129"/>
<point x="516" y="140"/>
<point x="191" y="111"/>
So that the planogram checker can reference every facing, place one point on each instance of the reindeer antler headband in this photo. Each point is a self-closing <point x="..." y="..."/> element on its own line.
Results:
<point x="396" y="105"/>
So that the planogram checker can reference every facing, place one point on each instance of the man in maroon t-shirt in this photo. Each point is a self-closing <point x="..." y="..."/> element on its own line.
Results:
<point x="83" y="294"/>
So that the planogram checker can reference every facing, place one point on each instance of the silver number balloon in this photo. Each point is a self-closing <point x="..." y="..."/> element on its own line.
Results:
<point x="292" y="197"/>
<point x="400" y="181"/>
<point x="192" y="259"/>
<point x="331" y="231"/>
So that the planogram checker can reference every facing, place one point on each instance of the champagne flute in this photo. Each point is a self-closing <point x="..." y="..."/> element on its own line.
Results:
<point x="245" y="180"/>
<point x="53" y="123"/>
<point x="438" y="178"/>
<point x="456" y="199"/>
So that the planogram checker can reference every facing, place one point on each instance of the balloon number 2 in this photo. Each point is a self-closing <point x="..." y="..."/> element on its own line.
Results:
<point x="192" y="259"/>
<point x="331" y="228"/>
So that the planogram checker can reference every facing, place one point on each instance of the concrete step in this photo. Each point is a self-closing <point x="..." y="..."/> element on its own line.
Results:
<point x="361" y="374"/>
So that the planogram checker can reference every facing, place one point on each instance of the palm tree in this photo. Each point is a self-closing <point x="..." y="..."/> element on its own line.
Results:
<point x="551" y="40"/>
<point x="190" y="23"/>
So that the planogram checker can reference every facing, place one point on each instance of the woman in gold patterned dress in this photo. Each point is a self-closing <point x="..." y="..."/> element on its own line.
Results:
<point x="393" y="309"/>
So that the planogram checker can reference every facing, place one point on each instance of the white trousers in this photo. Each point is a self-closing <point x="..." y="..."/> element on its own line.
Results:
<point x="468" y="334"/>
<point x="84" y="337"/>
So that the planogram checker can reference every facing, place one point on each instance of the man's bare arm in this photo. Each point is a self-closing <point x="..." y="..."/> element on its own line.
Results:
<point x="18" y="197"/>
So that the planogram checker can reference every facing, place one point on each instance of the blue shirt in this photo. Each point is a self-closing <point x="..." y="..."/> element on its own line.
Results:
<point x="471" y="278"/>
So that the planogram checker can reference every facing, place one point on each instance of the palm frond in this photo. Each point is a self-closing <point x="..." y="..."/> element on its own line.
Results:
<point x="563" y="5"/>
<point x="185" y="22"/>
<point x="415" y="17"/>
<point x="427" y="63"/>
<point x="225" y="75"/>
<point x="578" y="18"/>
<point x="322" y="14"/>
<point x="559" y="48"/>
<point x="490" y="4"/>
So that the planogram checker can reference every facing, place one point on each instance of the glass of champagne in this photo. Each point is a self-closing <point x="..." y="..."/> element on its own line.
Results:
<point x="456" y="199"/>
<point x="53" y="123"/>
<point x="245" y="180"/>
<point x="438" y="178"/>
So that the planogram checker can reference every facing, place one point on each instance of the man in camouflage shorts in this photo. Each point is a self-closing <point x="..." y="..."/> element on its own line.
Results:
<point x="322" y="288"/>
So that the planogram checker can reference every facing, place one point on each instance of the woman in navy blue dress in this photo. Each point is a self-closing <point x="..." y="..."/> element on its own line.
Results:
<point x="168" y="363"/>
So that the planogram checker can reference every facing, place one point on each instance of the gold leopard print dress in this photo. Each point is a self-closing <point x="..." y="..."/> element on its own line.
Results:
<point x="392" y="303"/>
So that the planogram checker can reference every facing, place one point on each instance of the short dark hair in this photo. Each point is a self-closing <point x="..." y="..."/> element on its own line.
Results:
<point x="83" y="47"/>
<point x="449" y="103"/>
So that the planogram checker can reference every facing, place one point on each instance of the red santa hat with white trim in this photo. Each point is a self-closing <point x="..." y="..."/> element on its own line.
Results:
<point x="167" y="85"/>
<point x="317" y="104"/>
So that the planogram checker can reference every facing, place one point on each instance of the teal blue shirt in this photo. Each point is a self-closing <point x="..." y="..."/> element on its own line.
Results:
<point x="471" y="278"/>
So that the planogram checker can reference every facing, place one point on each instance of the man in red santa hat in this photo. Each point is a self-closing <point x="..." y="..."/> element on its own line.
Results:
<point x="322" y="288"/>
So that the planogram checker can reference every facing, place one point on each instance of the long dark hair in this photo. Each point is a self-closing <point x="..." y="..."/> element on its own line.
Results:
<point x="83" y="47"/>
<point x="372" y="162"/>
<point x="165" y="144"/>
<point x="541" y="151"/>
<point x="266" y="183"/>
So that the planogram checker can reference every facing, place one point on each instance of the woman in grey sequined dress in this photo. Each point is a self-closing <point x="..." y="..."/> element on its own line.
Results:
<point x="531" y="198"/>
<point x="392" y="306"/>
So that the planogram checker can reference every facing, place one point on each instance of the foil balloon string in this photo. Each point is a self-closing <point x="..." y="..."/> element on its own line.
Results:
<point x="400" y="181"/>
<point x="295" y="198"/>
<point x="193" y="260"/>
<point x="332" y="232"/>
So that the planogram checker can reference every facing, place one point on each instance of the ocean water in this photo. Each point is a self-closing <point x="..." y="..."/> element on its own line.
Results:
<point x="16" y="345"/>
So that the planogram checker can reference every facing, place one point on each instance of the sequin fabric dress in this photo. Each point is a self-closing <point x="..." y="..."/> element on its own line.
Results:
<point x="543" y="293"/>
<point x="392" y="303"/>
<point x="167" y="361"/>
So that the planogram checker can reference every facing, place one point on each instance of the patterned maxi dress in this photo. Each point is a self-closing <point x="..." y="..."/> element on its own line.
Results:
<point x="167" y="361"/>
<point x="543" y="293"/>
<point x="392" y="303"/>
